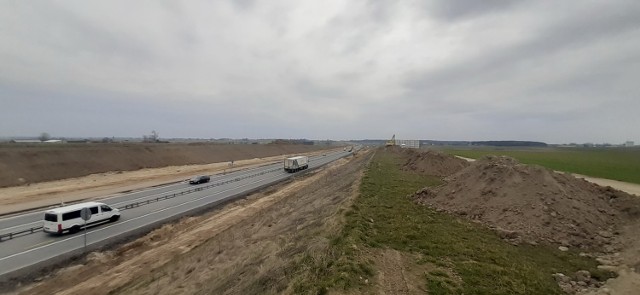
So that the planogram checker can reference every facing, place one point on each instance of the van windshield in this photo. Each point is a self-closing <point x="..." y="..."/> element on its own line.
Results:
<point x="50" y="217"/>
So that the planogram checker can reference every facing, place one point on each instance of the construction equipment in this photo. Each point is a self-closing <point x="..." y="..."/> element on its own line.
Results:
<point x="391" y="142"/>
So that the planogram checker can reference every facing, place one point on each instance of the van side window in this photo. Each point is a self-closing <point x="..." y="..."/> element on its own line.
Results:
<point x="51" y="217"/>
<point x="71" y="215"/>
<point x="105" y="208"/>
<point x="94" y="210"/>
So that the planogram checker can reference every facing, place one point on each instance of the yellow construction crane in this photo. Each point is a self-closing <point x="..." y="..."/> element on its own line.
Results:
<point x="391" y="142"/>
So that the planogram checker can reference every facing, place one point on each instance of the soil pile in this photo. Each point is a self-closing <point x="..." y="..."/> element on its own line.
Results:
<point x="432" y="162"/>
<point x="534" y="204"/>
<point x="25" y="164"/>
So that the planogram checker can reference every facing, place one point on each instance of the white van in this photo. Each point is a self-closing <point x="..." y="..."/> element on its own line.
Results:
<point x="68" y="218"/>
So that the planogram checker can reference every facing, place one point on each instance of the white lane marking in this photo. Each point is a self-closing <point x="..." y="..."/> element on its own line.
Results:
<point x="114" y="204"/>
<point x="113" y="197"/>
<point x="280" y="174"/>
<point x="41" y="244"/>
<point x="244" y="172"/>
<point x="135" y="218"/>
<point x="20" y="225"/>
<point x="171" y="191"/>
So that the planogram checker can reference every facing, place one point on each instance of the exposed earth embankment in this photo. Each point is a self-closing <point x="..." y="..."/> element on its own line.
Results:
<point x="252" y="246"/>
<point x="27" y="164"/>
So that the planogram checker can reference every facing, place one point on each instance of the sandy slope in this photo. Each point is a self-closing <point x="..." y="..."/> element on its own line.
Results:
<point x="245" y="248"/>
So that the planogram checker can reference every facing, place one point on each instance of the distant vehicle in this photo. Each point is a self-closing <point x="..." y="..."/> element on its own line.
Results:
<point x="59" y="220"/>
<point x="295" y="164"/>
<point x="199" y="179"/>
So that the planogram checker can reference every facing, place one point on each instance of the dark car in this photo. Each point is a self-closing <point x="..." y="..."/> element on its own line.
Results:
<point x="199" y="179"/>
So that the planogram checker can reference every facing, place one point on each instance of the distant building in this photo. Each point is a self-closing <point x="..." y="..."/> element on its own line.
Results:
<point x="85" y="140"/>
<point x="26" y="141"/>
<point x="629" y="143"/>
<point x="408" y="143"/>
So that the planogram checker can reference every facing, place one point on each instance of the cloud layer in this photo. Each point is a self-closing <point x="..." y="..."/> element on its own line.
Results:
<point x="501" y="70"/>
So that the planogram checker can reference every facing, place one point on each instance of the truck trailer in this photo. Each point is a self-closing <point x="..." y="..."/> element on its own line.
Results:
<point x="295" y="164"/>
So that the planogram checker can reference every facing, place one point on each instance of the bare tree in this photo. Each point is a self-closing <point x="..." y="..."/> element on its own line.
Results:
<point x="154" y="137"/>
<point x="44" y="136"/>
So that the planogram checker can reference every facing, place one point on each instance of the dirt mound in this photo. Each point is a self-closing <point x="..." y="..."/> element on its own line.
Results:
<point x="533" y="204"/>
<point x="25" y="164"/>
<point x="432" y="162"/>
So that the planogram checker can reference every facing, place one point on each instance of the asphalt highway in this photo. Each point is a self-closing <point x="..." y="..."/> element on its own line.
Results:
<point x="28" y="251"/>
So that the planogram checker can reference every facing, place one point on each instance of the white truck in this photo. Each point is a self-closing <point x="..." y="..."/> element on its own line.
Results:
<point x="296" y="163"/>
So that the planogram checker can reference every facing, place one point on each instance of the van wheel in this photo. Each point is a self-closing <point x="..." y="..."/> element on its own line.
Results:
<point x="114" y="218"/>
<point x="74" y="229"/>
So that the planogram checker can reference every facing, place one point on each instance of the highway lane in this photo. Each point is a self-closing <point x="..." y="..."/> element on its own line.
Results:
<point x="31" y="249"/>
<point x="31" y="219"/>
<point x="34" y="219"/>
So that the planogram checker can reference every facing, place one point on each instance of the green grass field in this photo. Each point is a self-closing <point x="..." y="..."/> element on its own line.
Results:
<point x="621" y="164"/>
<point x="468" y="258"/>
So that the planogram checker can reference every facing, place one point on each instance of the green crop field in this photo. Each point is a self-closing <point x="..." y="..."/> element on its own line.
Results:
<point x="621" y="164"/>
<point x="454" y="256"/>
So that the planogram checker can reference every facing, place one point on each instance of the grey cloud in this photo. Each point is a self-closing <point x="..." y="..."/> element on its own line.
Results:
<point x="355" y="69"/>
<point x="244" y="4"/>
<point x="62" y="31"/>
<point x="503" y="64"/>
<point x="560" y="36"/>
<point x="457" y="10"/>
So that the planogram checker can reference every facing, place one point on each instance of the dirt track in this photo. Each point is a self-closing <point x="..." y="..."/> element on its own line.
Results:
<point x="630" y="188"/>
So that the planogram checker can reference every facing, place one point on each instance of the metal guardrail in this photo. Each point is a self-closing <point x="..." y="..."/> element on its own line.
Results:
<point x="32" y="230"/>
<point x="24" y="232"/>
<point x="199" y="188"/>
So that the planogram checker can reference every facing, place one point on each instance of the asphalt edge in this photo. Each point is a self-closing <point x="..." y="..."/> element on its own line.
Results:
<point x="14" y="279"/>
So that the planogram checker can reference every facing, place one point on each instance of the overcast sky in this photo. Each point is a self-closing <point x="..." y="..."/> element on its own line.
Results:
<point x="552" y="71"/>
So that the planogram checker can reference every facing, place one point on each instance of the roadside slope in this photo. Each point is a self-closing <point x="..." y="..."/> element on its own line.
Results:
<point x="248" y="247"/>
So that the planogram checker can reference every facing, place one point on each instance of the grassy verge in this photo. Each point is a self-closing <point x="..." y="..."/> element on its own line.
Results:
<point x="618" y="164"/>
<point x="464" y="258"/>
